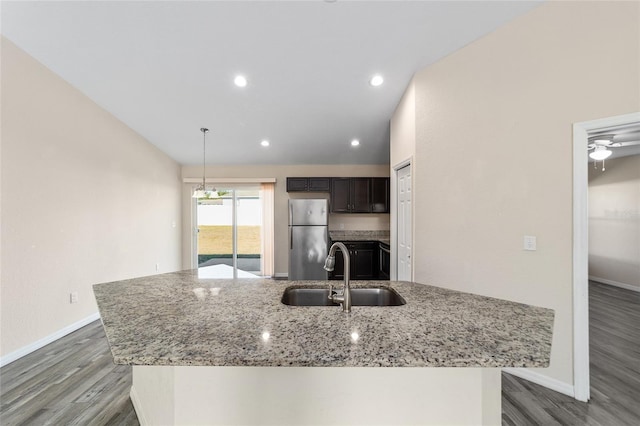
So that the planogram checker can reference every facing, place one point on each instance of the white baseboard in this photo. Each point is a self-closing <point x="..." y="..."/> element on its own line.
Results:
<point x="15" y="355"/>
<point x="542" y="380"/>
<point x="281" y="275"/>
<point x="615" y="283"/>
<point x="137" y="407"/>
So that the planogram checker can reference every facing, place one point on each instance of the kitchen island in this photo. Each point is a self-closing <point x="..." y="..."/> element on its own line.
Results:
<point x="208" y="351"/>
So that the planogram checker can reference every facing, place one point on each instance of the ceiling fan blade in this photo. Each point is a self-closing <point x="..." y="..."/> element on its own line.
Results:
<point x="630" y="143"/>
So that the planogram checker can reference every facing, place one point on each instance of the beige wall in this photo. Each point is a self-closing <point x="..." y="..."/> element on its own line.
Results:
<point x="614" y="222"/>
<point x="84" y="200"/>
<point x="402" y="134"/>
<point x="281" y="197"/>
<point x="403" y="128"/>
<point x="494" y="152"/>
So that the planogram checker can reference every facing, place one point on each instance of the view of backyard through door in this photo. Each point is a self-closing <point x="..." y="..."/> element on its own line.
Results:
<point x="229" y="243"/>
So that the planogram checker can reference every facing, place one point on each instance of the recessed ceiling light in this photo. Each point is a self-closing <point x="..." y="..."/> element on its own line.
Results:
<point x="355" y="142"/>
<point x="240" y="81"/>
<point x="376" y="80"/>
<point x="264" y="143"/>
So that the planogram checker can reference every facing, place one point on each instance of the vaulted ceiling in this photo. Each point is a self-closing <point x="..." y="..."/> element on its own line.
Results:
<point x="166" y="69"/>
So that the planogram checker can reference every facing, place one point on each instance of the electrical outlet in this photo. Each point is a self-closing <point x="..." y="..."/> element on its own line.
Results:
<point x="529" y="243"/>
<point x="73" y="297"/>
<point x="342" y="226"/>
<point x="157" y="267"/>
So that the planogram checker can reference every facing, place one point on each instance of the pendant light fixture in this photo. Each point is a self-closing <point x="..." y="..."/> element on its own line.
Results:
<point x="201" y="191"/>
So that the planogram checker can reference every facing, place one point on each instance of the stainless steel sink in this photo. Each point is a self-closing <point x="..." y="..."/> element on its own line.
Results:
<point x="372" y="296"/>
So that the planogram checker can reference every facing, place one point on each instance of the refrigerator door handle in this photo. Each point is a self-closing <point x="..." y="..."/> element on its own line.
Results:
<point x="290" y="238"/>
<point x="290" y="214"/>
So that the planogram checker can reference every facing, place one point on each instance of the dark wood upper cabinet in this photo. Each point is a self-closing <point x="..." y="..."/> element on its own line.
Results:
<point x="360" y="189"/>
<point x="297" y="184"/>
<point x="340" y="195"/>
<point x="319" y="184"/>
<point x="379" y="195"/>
<point x="308" y="184"/>
<point x="360" y="195"/>
<point x="348" y="195"/>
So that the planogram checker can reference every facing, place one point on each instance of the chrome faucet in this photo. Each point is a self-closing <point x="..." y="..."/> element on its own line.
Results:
<point x="345" y="297"/>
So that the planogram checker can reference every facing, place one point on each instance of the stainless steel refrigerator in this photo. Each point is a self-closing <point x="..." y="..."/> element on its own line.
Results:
<point x="308" y="239"/>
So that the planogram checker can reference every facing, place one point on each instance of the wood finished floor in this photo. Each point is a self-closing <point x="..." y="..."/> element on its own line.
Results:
<point x="614" y="340"/>
<point x="73" y="381"/>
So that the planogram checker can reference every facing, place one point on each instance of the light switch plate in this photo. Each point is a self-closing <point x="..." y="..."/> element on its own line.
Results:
<point x="530" y="243"/>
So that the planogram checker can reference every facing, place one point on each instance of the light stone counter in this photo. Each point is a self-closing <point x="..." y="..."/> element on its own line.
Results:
<point x="342" y="235"/>
<point x="177" y="319"/>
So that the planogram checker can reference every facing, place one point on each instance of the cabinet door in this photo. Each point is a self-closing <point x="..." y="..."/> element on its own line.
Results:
<point x="319" y="184"/>
<point x="360" y="195"/>
<point x="364" y="261"/>
<point x="380" y="195"/>
<point x="297" y="184"/>
<point x="384" y="258"/>
<point x="340" y="200"/>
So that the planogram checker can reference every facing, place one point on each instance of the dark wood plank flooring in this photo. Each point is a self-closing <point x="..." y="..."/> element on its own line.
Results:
<point x="614" y="341"/>
<point x="73" y="381"/>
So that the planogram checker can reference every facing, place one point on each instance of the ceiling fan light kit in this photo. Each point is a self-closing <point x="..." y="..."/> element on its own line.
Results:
<point x="600" y="147"/>
<point x="600" y="153"/>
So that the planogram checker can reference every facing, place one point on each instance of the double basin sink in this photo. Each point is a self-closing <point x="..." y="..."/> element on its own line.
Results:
<point x="370" y="296"/>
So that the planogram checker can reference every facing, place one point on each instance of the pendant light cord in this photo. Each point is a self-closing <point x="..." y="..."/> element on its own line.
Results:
<point x="204" y="131"/>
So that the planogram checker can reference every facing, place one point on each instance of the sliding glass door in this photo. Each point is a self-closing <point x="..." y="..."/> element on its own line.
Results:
<point x="229" y="233"/>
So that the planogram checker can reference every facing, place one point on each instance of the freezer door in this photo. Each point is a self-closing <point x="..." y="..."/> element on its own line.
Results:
<point x="308" y="212"/>
<point x="307" y="252"/>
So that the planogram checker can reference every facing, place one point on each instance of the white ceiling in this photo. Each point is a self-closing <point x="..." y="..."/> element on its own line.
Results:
<point x="166" y="68"/>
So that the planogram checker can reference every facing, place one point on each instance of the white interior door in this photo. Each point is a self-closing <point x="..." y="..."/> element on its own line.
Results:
<point x="404" y="224"/>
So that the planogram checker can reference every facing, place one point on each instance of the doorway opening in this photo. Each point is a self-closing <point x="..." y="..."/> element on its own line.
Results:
<point x="581" y="132"/>
<point x="230" y="232"/>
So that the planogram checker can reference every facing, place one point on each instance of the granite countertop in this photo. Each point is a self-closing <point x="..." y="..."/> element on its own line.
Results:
<point x="381" y="236"/>
<point x="179" y="319"/>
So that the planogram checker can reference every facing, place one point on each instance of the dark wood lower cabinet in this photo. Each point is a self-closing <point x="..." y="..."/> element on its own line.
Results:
<point x="384" y="261"/>
<point x="364" y="261"/>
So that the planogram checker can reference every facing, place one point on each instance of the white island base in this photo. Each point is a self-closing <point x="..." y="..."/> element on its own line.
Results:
<point x="164" y="395"/>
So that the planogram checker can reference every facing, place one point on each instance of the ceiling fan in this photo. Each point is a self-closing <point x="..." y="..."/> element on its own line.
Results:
<point x="600" y="146"/>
